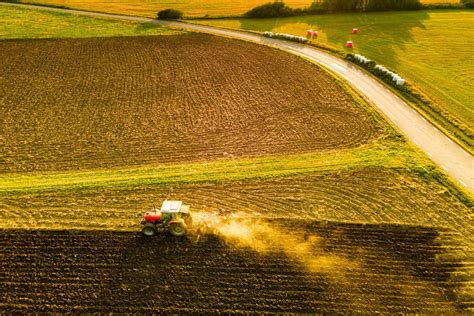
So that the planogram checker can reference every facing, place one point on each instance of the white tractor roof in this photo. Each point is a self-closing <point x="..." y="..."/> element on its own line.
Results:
<point x="171" y="206"/>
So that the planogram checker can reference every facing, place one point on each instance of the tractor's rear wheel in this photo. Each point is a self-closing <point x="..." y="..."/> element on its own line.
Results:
<point x="149" y="230"/>
<point x="178" y="229"/>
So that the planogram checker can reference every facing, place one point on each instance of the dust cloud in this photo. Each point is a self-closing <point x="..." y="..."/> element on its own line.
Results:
<point x="265" y="238"/>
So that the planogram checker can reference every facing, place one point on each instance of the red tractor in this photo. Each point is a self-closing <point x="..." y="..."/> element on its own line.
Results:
<point x="173" y="214"/>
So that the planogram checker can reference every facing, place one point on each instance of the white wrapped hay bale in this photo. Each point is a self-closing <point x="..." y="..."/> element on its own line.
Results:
<point x="396" y="78"/>
<point x="361" y="59"/>
<point x="290" y="37"/>
<point x="268" y="34"/>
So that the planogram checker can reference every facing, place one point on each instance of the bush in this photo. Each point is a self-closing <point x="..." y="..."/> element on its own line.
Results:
<point x="170" y="14"/>
<point x="270" y="10"/>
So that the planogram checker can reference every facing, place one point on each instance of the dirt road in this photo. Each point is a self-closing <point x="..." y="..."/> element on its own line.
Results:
<point x="441" y="149"/>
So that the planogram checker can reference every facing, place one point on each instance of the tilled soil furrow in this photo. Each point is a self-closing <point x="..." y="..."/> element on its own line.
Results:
<point x="124" y="272"/>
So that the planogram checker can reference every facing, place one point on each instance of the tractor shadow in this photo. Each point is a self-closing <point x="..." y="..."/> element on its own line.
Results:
<point x="396" y="269"/>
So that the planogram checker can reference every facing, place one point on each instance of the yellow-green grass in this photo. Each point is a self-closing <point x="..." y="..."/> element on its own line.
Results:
<point x="432" y="49"/>
<point x="191" y="8"/>
<point x="387" y="153"/>
<point x="30" y="23"/>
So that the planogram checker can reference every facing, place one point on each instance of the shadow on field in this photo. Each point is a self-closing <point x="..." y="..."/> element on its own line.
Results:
<point x="146" y="26"/>
<point x="391" y="269"/>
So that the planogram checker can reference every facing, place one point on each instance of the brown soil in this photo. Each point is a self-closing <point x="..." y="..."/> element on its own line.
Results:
<point x="102" y="102"/>
<point x="374" y="268"/>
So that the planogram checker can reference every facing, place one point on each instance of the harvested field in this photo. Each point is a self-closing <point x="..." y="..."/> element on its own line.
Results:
<point x="369" y="195"/>
<point x="87" y="103"/>
<point x="357" y="268"/>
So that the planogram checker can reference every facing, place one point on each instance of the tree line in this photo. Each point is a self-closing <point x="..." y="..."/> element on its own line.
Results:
<point x="366" y="5"/>
<point x="280" y="9"/>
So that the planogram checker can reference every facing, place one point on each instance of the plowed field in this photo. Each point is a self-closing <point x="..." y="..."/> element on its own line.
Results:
<point x="86" y="103"/>
<point x="288" y="251"/>
<point x="357" y="268"/>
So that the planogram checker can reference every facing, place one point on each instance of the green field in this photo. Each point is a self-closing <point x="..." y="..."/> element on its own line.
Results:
<point x="429" y="48"/>
<point x="192" y="8"/>
<point x="27" y="23"/>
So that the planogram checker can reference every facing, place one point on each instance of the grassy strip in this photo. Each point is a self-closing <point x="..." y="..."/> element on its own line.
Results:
<point x="21" y="23"/>
<point x="431" y="173"/>
<point x="386" y="153"/>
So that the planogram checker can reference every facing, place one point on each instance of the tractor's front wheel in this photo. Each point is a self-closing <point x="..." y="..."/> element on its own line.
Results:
<point x="178" y="229"/>
<point x="149" y="230"/>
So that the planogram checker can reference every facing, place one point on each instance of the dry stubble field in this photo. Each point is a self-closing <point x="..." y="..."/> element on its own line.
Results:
<point x="382" y="234"/>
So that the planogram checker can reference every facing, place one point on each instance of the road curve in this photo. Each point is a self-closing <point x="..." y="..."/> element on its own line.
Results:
<point x="454" y="160"/>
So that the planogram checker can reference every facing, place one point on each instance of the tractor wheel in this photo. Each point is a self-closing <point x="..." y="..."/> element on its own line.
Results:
<point x="149" y="230"/>
<point x="178" y="229"/>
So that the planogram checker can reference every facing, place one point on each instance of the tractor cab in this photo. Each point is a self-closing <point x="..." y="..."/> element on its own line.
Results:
<point x="170" y="207"/>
